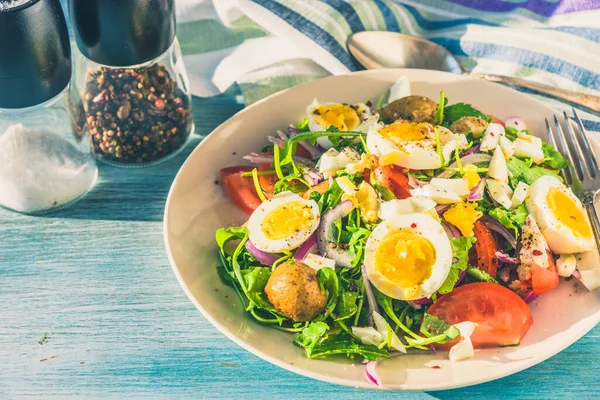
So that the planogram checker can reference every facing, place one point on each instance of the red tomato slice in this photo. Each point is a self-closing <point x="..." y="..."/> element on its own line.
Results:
<point x="485" y="246"/>
<point x="544" y="280"/>
<point x="394" y="178"/>
<point x="267" y="182"/>
<point x="496" y="120"/>
<point x="502" y="316"/>
<point x="240" y="189"/>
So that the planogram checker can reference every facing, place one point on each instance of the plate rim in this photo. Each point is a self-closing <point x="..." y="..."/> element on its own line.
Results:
<point x="305" y="372"/>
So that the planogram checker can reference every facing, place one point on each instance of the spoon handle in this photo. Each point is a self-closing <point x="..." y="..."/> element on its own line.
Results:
<point x="586" y="101"/>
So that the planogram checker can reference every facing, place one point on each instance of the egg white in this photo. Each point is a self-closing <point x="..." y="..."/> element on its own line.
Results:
<point x="425" y="226"/>
<point x="559" y="237"/>
<point x="258" y="237"/>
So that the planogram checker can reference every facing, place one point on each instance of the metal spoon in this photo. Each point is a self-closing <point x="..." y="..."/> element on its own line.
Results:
<point x="375" y="50"/>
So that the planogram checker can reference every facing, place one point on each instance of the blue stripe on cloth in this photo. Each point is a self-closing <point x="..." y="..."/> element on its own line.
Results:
<point x="591" y="125"/>
<point x="581" y="31"/>
<point x="541" y="7"/>
<point x="347" y="12"/>
<point x="388" y="15"/>
<point x="432" y="24"/>
<point x="311" y="30"/>
<point x="526" y="58"/>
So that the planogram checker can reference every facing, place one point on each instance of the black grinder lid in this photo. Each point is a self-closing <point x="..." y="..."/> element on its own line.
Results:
<point x="35" y="53"/>
<point x="122" y="33"/>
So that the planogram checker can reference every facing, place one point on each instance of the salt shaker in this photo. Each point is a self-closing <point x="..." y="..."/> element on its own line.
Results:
<point x="130" y="90"/>
<point x="43" y="165"/>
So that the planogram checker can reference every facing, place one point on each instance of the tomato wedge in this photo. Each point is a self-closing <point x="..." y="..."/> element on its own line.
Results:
<point x="240" y="189"/>
<point x="544" y="280"/>
<point x="394" y="178"/>
<point x="502" y="316"/>
<point x="485" y="247"/>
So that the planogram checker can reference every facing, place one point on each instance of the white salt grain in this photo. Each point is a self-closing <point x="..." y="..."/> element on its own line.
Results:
<point x="40" y="170"/>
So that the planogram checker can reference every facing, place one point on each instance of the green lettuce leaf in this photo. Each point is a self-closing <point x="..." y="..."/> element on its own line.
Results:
<point x="480" y="275"/>
<point x="344" y="343"/>
<point x="552" y="157"/>
<point x="329" y="282"/>
<point x="511" y="219"/>
<point x="433" y="326"/>
<point x="311" y="335"/>
<point x="459" y="110"/>
<point x="460" y="251"/>
<point x="522" y="170"/>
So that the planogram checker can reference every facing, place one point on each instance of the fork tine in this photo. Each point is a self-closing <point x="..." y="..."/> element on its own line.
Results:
<point x="565" y="149"/>
<point x="591" y="161"/>
<point x="552" y="140"/>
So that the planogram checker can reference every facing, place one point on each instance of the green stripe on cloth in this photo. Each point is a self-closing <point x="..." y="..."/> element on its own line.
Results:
<point x="208" y="35"/>
<point x="259" y="89"/>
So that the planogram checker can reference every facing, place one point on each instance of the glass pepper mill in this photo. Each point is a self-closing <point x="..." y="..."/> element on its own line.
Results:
<point x="43" y="165"/>
<point x="130" y="90"/>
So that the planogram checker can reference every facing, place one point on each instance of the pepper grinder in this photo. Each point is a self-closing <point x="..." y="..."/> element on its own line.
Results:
<point x="43" y="165"/>
<point x="130" y="90"/>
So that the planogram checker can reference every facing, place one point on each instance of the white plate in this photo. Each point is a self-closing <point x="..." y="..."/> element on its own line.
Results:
<point x="197" y="207"/>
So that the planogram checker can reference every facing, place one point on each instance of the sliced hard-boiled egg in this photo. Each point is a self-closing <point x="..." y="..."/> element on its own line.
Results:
<point x="444" y="191"/>
<point x="590" y="278"/>
<point x="508" y="147"/>
<point x="566" y="264"/>
<point x="344" y="117"/>
<point x="529" y="146"/>
<point x="365" y="198"/>
<point x="400" y="89"/>
<point x="317" y="262"/>
<point x="414" y="204"/>
<point x="498" y="169"/>
<point x="500" y="191"/>
<point x="464" y="348"/>
<point x="463" y="216"/>
<point x="491" y="137"/>
<point x="533" y="249"/>
<point x="332" y="160"/>
<point x="283" y="223"/>
<point x="408" y="256"/>
<point x="411" y="144"/>
<point x="560" y="216"/>
<point x="519" y="195"/>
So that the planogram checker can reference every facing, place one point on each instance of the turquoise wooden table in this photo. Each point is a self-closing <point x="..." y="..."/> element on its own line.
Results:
<point x="89" y="308"/>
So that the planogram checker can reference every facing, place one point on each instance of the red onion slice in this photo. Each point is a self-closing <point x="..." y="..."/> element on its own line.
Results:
<point x="461" y="276"/>
<point x="504" y="274"/>
<point x="315" y="151"/>
<point x="451" y="230"/>
<point x="505" y="258"/>
<point x="257" y="158"/>
<point x="415" y="183"/>
<point x="497" y="227"/>
<point x="577" y="274"/>
<point x="373" y="307"/>
<point x="515" y="122"/>
<point x="472" y="150"/>
<point x="327" y="246"/>
<point x="371" y="374"/>
<point x="275" y="140"/>
<point x="261" y="256"/>
<point x="310" y="246"/>
<point x="441" y="208"/>
<point x="477" y="191"/>
<point x="469" y="159"/>
<point x="529" y="297"/>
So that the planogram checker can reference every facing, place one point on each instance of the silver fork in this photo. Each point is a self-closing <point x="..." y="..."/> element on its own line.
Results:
<point x="584" y="176"/>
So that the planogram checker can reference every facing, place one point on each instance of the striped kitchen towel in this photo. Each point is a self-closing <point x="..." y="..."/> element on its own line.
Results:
<point x="268" y="45"/>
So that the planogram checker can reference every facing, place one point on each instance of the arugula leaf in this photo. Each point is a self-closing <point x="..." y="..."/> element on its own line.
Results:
<point x="433" y="326"/>
<point x="387" y="304"/>
<point x="330" y="198"/>
<point x="256" y="279"/>
<point x="480" y="275"/>
<point x="510" y="133"/>
<point x="346" y="306"/>
<point x="459" y="110"/>
<point x="460" y="251"/>
<point x="524" y="171"/>
<point x="311" y="335"/>
<point x="552" y="157"/>
<point x="303" y="126"/>
<point x="511" y="219"/>
<point x="357" y="243"/>
<point x="224" y="235"/>
<point x="343" y="343"/>
<point x="328" y="280"/>
<point x="290" y="183"/>
<point x="439" y="114"/>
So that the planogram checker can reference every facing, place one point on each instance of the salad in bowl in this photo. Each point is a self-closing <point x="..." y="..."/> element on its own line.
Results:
<point x="401" y="225"/>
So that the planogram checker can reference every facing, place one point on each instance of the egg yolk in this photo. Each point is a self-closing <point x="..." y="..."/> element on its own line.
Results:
<point x="568" y="212"/>
<point x="471" y="175"/>
<point x="463" y="216"/>
<point x="345" y="118"/>
<point x="405" y="258"/>
<point x="286" y="220"/>
<point x="401" y="132"/>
